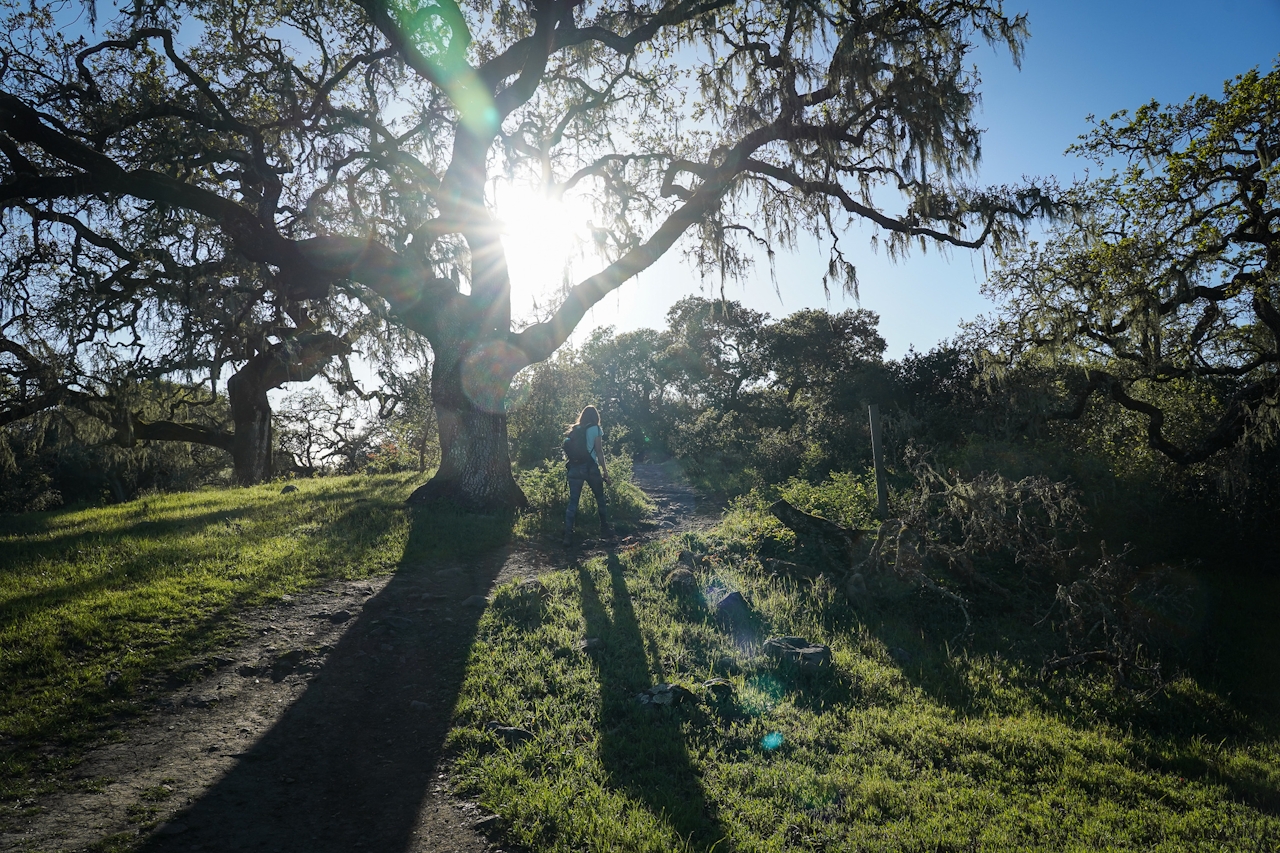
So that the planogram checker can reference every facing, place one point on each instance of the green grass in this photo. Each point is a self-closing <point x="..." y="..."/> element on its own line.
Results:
<point x="548" y="491"/>
<point x="936" y="749"/>
<point x="145" y="588"/>
<point x="931" y="750"/>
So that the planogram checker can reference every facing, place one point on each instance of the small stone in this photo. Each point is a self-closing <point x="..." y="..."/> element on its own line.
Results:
<point x="416" y="705"/>
<point x="733" y="608"/>
<point x="172" y="828"/>
<point x="533" y="586"/>
<point x="719" y="688"/>
<point x="111" y="678"/>
<point x="588" y="644"/>
<point x="248" y="670"/>
<point x="200" y="701"/>
<point x="289" y="489"/>
<point x="775" y="645"/>
<point x="666" y="694"/>
<point x="682" y="581"/>
<point x="476" y="601"/>
<point x="444" y="574"/>
<point x="290" y="658"/>
<point x="900" y="655"/>
<point x="511" y="734"/>
<point x="799" y="651"/>
<point x="220" y="661"/>
<point x="339" y="616"/>
<point x="487" y="820"/>
<point x="856" y="587"/>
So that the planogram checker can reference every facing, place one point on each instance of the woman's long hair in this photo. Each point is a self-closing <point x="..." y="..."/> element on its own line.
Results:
<point x="589" y="417"/>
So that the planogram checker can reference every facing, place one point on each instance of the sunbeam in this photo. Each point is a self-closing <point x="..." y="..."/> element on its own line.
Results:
<point x="545" y="239"/>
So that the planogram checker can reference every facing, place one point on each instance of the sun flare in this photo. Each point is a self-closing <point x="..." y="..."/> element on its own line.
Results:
<point x="545" y="240"/>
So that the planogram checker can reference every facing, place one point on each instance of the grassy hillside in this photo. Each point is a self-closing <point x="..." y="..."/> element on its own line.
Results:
<point x="906" y="745"/>
<point x="102" y="608"/>
<point x="99" y="605"/>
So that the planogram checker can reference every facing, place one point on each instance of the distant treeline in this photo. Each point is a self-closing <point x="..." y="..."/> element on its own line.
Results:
<point x="743" y="401"/>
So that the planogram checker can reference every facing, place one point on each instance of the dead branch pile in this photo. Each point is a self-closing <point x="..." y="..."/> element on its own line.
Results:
<point x="962" y="522"/>
<point x="949" y="532"/>
<point x="1119" y="615"/>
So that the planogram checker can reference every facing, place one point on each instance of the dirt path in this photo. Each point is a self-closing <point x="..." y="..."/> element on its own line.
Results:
<point x="324" y="732"/>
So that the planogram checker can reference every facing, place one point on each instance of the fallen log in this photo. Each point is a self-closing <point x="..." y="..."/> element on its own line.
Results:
<point x="830" y="541"/>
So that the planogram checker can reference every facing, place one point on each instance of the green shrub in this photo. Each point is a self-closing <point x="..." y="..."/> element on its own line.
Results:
<point x="544" y="398"/>
<point x="846" y="498"/>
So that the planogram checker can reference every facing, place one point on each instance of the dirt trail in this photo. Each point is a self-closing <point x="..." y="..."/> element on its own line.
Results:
<point x="322" y="733"/>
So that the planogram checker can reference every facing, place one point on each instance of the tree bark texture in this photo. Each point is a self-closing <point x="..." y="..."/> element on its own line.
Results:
<point x="475" y="458"/>
<point x="251" y="460"/>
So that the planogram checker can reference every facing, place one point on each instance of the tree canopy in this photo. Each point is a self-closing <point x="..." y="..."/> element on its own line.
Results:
<point x="343" y="155"/>
<point x="1163" y="297"/>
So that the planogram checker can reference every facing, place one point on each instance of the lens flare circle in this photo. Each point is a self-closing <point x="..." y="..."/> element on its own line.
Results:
<point x="486" y="375"/>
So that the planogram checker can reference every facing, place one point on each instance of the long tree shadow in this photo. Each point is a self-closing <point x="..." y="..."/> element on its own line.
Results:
<point x="347" y="766"/>
<point x="641" y="747"/>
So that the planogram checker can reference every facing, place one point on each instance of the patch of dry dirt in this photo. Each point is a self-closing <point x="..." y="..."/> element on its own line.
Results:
<point x="325" y="731"/>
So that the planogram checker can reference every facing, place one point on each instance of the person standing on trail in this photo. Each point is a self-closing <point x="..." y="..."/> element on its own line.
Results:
<point x="584" y="455"/>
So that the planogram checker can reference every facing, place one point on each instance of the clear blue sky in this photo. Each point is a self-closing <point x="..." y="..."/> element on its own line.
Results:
<point x="1084" y="57"/>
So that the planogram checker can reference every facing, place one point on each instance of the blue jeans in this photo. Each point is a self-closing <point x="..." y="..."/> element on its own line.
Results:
<point x="589" y="473"/>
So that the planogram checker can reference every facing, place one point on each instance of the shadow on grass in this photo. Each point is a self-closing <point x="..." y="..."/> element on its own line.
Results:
<point x="140" y="568"/>
<point x="347" y="766"/>
<point x="45" y="535"/>
<point x="1190" y="727"/>
<point x="60" y="641"/>
<point x="641" y="747"/>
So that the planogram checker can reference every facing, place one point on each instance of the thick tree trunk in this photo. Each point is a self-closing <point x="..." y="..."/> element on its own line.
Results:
<point x="251" y="413"/>
<point x="297" y="360"/>
<point x="475" y="459"/>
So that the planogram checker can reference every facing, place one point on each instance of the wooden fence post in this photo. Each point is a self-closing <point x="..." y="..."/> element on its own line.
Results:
<point x="877" y="456"/>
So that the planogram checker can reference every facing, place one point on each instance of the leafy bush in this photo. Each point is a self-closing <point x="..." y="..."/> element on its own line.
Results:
<point x="63" y="457"/>
<point x="731" y="453"/>
<point x="845" y="498"/>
